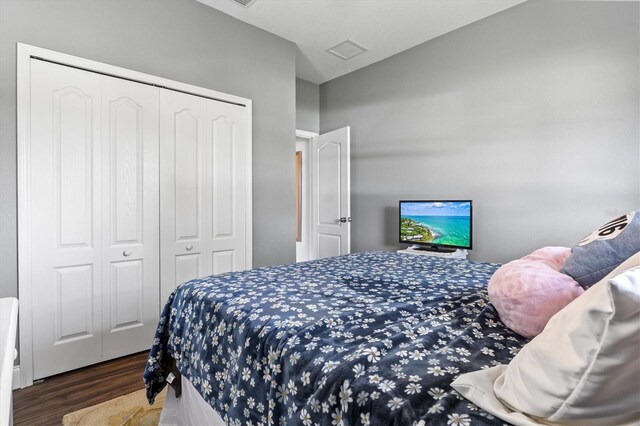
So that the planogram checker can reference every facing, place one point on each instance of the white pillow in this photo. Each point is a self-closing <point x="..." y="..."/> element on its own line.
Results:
<point x="584" y="368"/>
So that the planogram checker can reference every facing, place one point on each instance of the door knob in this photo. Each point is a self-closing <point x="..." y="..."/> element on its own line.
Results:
<point x="126" y="253"/>
<point x="189" y="247"/>
<point x="345" y="219"/>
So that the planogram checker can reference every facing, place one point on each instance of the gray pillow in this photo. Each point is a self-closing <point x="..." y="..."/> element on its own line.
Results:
<point x="604" y="249"/>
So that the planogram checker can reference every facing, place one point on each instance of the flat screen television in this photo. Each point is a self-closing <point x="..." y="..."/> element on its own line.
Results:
<point x="436" y="225"/>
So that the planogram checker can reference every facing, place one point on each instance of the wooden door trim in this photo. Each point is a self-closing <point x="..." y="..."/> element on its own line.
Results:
<point x="25" y="53"/>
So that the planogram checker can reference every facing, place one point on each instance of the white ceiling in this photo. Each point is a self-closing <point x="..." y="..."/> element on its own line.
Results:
<point x="384" y="27"/>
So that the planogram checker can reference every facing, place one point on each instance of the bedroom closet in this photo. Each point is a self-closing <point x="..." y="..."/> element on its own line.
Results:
<point x="126" y="189"/>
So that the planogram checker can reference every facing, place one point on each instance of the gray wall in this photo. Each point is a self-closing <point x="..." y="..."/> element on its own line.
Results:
<point x="533" y="113"/>
<point x="307" y="106"/>
<point x="180" y="40"/>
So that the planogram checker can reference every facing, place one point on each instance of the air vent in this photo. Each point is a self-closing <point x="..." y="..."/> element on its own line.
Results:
<point x="347" y="50"/>
<point x="244" y="3"/>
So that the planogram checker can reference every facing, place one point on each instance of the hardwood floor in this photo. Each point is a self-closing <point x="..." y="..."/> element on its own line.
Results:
<point x="47" y="402"/>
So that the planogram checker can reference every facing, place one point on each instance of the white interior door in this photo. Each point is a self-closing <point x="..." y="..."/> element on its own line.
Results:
<point x="66" y="218"/>
<point x="130" y="216"/>
<point x="331" y="210"/>
<point x="203" y="188"/>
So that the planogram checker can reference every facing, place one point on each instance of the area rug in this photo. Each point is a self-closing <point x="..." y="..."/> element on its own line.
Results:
<point x="132" y="409"/>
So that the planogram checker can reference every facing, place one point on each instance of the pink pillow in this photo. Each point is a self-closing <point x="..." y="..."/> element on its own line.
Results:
<point x="527" y="292"/>
<point x="554" y="257"/>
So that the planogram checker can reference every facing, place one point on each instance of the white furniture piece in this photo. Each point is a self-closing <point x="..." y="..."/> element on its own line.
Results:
<point x="458" y="254"/>
<point x="8" y="327"/>
<point x="128" y="186"/>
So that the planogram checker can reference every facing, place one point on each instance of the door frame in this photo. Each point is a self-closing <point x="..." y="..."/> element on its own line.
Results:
<point x="306" y="191"/>
<point x="25" y="53"/>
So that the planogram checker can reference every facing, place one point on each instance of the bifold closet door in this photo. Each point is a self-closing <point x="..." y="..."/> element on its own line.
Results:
<point x="203" y="188"/>
<point x="130" y="217"/>
<point x="93" y="207"/>
<point x="66" y="218"/>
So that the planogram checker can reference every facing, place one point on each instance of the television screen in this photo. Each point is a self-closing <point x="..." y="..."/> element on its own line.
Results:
<point x="436" y="223"/>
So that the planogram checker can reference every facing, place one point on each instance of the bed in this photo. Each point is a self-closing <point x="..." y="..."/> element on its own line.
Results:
<point x="363" y="339"/>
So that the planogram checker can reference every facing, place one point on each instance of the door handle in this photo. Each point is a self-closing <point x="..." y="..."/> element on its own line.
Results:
<point x="345" y="219"/>
<point x="126" y="253"/>
<point x="189" y="247"/>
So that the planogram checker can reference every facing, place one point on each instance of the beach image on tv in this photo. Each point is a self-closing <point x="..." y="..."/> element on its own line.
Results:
<point x="436" y="222"/>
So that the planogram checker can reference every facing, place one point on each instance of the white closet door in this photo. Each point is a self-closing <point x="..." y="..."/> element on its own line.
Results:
<point x="225" y="183"/>
<point x="130" y="200"/>
<point x="65" y="218"/>
<point x="94" y="217"/>
<point x="203" y="188"/>
<point x="182" y="121"/>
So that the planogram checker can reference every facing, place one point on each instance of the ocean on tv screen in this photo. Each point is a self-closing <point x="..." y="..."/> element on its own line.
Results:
<point x="447" y="230"/>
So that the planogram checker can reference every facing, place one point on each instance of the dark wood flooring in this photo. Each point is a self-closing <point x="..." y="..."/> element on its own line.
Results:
<point x="47" y="402"/>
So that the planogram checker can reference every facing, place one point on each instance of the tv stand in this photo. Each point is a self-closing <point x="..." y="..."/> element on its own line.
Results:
<point x="436" y="249"/>
<point x="455" y="254"/>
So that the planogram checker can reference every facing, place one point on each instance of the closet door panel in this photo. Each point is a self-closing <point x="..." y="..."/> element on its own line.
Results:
<point x="65" y="218"/>
<point x="222" y="185"/>
<point x="130" y="280"/>
<point x="126" y="296"/>
<point x="73" y="304"/>
<point x="187" y="267"/>
<point x="223" y="261"/>
<point x="187" y="169"/>
<point x="182" y="187"/>
<point x="226" y="171"/>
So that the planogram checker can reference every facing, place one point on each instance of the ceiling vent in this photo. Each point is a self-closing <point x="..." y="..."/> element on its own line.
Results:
<point x="244" y="3"/>
<point x="347" y="50"/>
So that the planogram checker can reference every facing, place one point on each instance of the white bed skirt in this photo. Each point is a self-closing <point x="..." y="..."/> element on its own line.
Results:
<point x="189" y="409"/>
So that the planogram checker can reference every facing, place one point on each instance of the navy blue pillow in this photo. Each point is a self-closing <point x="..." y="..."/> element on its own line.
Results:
<point x="604" y="249"/>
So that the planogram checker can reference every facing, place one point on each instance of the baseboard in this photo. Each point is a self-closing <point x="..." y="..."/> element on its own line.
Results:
<point x="15" y="384"/>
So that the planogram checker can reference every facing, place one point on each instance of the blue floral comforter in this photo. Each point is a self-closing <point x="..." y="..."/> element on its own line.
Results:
<point x="362" y="339"/>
